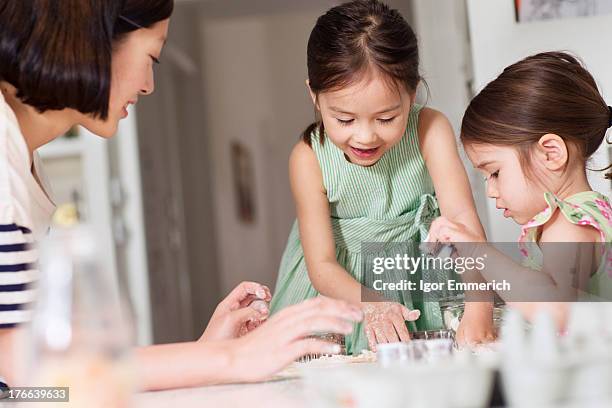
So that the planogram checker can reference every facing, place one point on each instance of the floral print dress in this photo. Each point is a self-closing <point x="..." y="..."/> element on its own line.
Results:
<point x="587" y="208"/>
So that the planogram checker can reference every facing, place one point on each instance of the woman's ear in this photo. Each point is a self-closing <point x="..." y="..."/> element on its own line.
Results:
<point x="313" y="96"/>
<point x="551" y="151"/>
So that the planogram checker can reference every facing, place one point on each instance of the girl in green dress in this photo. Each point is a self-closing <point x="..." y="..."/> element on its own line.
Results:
<point x="374" y="167"/>
<point x="531" y="132"/>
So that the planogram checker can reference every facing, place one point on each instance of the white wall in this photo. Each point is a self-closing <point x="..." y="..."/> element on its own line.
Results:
<point x="444" y="54"/>
<point x="254" y="79"/>
<point x="128" y="225"/>
<point x="498" y="41"/>
<point x="441" y="27"/>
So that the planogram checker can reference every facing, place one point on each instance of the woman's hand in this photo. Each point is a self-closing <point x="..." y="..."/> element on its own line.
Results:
<point x="240" y="312"/>
<point x="284" y="337"/>
<point x="385" y="322"/>
<point x="476" y="326"/>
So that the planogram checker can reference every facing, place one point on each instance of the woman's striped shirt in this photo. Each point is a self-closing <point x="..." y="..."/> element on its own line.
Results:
<point x="25" y="214"/>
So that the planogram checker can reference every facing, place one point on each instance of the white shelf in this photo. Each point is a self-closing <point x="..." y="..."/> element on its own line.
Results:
<point x="62" y="147"/>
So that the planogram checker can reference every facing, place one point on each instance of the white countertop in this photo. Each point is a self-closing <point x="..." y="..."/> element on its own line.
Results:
<point x="274" y="394"/>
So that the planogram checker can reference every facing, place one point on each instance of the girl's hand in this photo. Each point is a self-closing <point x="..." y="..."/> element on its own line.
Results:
<point x="444" y="230"/>
<point x="240" y="312"/>
<point x="385" y="322"/>
<point x="284" y="337"/>
<point x="476" y="327"/>
<point x="461" y="237"/>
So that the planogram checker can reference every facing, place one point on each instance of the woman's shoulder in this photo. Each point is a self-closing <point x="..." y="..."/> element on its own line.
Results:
<point x="14" y="165"/>
<point x="13" y="146"/>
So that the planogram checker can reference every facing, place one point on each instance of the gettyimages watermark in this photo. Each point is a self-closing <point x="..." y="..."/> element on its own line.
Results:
<point x="525" y="272"/>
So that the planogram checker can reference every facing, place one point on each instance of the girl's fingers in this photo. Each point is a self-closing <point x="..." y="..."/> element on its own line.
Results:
<point x="435" y="228"/>
<point x="371" y="338"/>
<point x="380" y="336"/>
<point x="444" y="230"/>
<point x="390" y="332"/>
<point x="401" y="329"/>
<point x="410" y="315"/>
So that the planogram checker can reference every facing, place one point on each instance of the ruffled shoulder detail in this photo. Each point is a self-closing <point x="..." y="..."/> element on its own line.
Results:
<point x="578" y="209"/>
<point x="588" y="208"/>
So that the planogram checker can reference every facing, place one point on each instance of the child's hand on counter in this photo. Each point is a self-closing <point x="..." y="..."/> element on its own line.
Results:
<point x="240" y="312"/>
<point x="476" y="326"/>
<point x="385" y="322"/>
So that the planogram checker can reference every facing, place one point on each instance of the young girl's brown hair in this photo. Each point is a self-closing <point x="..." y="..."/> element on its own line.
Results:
<point x="354" y="37"/>
<point x="550" y="92"/>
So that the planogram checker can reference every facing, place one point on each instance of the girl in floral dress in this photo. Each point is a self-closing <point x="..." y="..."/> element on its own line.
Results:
<point x="531" y="132"/>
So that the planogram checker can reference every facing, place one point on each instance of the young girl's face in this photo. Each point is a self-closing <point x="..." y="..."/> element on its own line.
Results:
<point x="132" y="75"/>
<point x="365" y="119"/>
<point x="514" y="194"/>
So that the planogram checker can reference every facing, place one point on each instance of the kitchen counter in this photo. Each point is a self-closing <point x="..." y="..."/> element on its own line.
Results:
<point x="274" y="394"/>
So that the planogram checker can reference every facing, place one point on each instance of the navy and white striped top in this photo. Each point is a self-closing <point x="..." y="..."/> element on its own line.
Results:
<point x="25" y="215"/>
<point x="17" y="273"/>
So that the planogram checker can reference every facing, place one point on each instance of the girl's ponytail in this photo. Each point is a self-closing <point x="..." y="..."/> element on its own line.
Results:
<point x="314" y="126"/>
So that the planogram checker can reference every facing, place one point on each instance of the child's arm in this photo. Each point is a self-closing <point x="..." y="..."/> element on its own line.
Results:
<point x="439" y="150"/>
<point x="384" y="321"/>
<point x="556" y="282"/>
<point x="314" y="221"/>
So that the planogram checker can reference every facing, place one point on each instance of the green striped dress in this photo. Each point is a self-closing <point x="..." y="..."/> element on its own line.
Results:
<point x="391" y="201"/>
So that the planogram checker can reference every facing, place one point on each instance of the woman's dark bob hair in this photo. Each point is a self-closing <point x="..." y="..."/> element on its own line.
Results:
<point x="57" y="54"/>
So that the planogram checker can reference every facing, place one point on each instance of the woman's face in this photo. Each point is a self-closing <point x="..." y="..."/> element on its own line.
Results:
<point x="132" y="75"/>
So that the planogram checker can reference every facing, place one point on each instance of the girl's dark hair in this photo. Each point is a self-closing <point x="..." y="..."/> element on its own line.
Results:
<point x="57" y="54"/>
<point x="353" y="38"/>
<point x="550" y="92"/>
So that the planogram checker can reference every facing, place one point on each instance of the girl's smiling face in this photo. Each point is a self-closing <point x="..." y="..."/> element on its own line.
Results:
<point x="518" y="197"/>
<point x="365" y="119"/>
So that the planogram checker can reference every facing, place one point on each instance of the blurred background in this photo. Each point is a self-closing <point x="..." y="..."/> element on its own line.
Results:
<point x="192" y="196"/>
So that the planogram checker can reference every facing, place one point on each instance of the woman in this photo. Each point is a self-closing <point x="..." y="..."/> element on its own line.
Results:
<point x="82" y="63"/>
